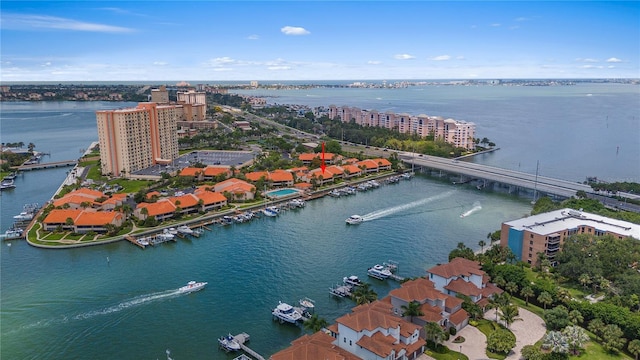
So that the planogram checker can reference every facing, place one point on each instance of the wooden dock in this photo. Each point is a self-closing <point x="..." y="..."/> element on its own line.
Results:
<point x="133" y="240"/>
<point x="242" y="338"/>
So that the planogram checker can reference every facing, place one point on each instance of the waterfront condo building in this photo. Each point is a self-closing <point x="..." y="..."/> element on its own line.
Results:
<point x="132" y="139"/>
<point x="545" y="233"/>
<point x="456" y="132"/>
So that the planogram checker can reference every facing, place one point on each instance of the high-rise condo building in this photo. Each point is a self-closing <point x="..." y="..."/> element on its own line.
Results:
<point x="132" y="139"/>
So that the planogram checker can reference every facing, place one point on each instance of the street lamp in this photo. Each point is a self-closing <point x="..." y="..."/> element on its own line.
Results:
<point x="460" y="353"/>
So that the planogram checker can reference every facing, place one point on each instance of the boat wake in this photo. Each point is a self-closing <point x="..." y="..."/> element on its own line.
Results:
<point x="392" y="210"/>
<point x="136" y="301"/>
<point x="476" y="207"/>
<point x="130" y="303"/>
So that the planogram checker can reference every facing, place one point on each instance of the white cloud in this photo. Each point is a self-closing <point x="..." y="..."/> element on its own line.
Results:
<point x="495" y="25"/>
<point x="220" y="61"/>
<point x="592" y="67"/>
<point x="611" y="67"/>
<point x="48" y="63"/>
<point x="223" y="69"/>
<point x="440" y="58"/>
<point x="160" y="63"/>
<point x="587" y="60"/>
<point x="33" y="22"/>
<point x="404" y="57"/>
<point x="613" y="60"/>
<point x="253" y="37"/>
<point x="282" y="67"/>
<point x="294" y="30"/>
<point x="374" y="62"/>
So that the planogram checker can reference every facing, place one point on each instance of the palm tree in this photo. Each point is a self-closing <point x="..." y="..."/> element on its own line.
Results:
<point x="563" y="295"/>
<point x="556" y="342"/>
<point x="482" y="244"/>
<point x="364" y="294"/>
<point x="412" y="309"/>
<point x="511" y="287"/>
<point x="596" y="326"/>
<point x="545" y="299"/>
<point x="434" y="332"/>
<point x="509" y="314"/>
<point x="575" y="317"/>
<point x="527" y="292"/>
<point x="634" y="347"/>
<point x="584" y="279"/>
<point x="315" y="323"/>
<point x="576" y="338"/>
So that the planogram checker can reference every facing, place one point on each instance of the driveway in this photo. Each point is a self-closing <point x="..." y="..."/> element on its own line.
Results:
<point x="527" y="331"/>
<point x="474" y="344"/>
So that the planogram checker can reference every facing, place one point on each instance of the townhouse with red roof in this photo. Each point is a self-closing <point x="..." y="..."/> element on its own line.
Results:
<point x="240" y="189"/>
<point x="82" y="221"/>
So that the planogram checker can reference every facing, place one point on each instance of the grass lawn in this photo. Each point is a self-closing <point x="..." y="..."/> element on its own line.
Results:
<point x="487" y="327"/>
<point x="593" y="350"/>
<point x="533" y="308"/>
<point x="131" y="186"/>
<point x="449" y="355"/>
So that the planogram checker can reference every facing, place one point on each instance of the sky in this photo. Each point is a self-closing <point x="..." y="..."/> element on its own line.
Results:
<point x="317" y="40"/>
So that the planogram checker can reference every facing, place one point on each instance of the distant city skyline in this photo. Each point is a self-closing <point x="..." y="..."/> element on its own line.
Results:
<point x="317" y="40"/>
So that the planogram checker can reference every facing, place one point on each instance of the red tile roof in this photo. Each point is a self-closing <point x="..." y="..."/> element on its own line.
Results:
<point x="234" y="185"/>
<point x="457" y="267"/>
<point x="380" y="344"/>
<point x="161" y="207"/>
<point x="97" y="218"/>
<point x="280" y="176"/>
<point x="210" y="197"/>
<point x="368" y="163"/>
<point x="458" y="317"/>
<point x="60" y="216"/>
<point x="212" y="171"/>
<point x="191" y="171"/>
<point x="463" y="287"/>
<point x="257" y="175"/>
<point x="186" y="201"/>
<point x="318" y="346"/>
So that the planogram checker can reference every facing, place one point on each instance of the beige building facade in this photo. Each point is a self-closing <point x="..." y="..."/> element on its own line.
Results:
<point x="132" y="139"/>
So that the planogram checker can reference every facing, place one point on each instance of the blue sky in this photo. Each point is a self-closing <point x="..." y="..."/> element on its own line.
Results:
<point x="317" y="40"/>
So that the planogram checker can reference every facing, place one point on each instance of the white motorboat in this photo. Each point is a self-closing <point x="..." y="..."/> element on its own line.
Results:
<point x="270" y="211"/>
<point x="286" y="312"/>
<point x="184" y="229"/>
<point x="23" y="216"/>
<point x="143" y="241"/>
<point x="379" y="272"/>
<point x="352" y="280"/>
<point x="192" y="286"/>
<point x="307" y="303"/>
<point x="173" y="231"/>
<point x="13" y="233"/>
<point x="354" y="219"/>
<point x="229" y="343"/>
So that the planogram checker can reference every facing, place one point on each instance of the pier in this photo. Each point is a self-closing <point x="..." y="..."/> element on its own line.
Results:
<point x="242" y="339"/>
<point x="47" y="165"/>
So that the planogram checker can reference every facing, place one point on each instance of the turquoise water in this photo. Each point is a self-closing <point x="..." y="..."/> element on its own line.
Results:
<point x="282" y="192"/>
<point x="74" y="304"/>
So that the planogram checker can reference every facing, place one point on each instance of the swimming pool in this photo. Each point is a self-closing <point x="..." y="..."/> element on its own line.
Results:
<point x="282" y="192"/>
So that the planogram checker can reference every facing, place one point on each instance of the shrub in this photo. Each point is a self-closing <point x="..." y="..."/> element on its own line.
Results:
<point x="452" y="331"/>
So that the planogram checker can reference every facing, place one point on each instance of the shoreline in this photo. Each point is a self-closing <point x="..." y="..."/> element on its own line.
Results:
<point x="202" y="220"/>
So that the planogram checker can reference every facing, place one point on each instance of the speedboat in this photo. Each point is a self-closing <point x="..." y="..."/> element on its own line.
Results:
<point x="229" y="343"/>
<point x="354" y="219"/>
<point x="143" y="241"/>
<point x="173" y="231"/>
<point x="307" y="303"/>
<point x="192" y="286"/>
<point x="379" y="272"/>
<point x="13" y="233"/>
<point x="286" y="312"/>
<point x="270" y="212"/>
<point x="352" y="280"/>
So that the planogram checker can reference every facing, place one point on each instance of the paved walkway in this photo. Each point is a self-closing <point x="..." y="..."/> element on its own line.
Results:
<point x="527" y="331"/>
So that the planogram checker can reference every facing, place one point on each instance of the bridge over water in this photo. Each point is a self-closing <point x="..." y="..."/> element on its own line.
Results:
<point x="47" y="165"/>
<point x="487" y="174"/>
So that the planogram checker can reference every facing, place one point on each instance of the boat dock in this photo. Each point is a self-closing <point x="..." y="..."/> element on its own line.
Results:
<point x="134" y="241"/>
<point x="341" y="290"/>
<point x="242" y="338"/>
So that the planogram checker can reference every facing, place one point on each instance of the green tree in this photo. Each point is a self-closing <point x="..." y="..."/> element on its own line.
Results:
<point x="596" y="326"/>
<point x="412" y="309"/>
<point x="532" y="352"/>
<point x="364" y="294"/>
<point x="315" y="323"/>
<point x="509" y="314"/>
<point x="482" y="244"/>
<point x="556" y="342"/>
<point x="501" y="341"/>
<point x="556" y="318"/>
<point x="612" y="338"/>
<point x="545" y="299"/>
<point x="576" y="338"/>
<point x="527" y="292"/>
<point x="634" y="347"/>
<point x="575" y="317"/>
<point x="585" y="280"/>
<point x="511" y="287"/>
<point x="433" y="332"/>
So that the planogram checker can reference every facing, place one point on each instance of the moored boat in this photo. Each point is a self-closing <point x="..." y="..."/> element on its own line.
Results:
<point x="352" y="280"/>
<point x="286" y="312"/>
<point x="379" y="272"/>
<point x="229" y="343"/>
<point x="184" y="229"/>
<point x="192" y="286"/>
<point x="307" y="303"/>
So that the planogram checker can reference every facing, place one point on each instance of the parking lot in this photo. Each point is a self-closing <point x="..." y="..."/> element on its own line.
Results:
<point x="206" y="157"/>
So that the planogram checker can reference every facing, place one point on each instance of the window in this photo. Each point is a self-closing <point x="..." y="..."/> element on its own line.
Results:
<point x="344" y="340"/>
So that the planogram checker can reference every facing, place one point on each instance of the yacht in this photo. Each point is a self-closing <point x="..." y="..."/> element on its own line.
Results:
<point x="143" y="241"/>
<point x="379" y="272"/>
<point x="352" y="280"/>
<point x="229" y="343"/>
<point x="270" y="211"/>
<point x="192" y="286"/>
<point x="23" y="216"/>
<point x="184" y="229"/>
<point x="13" y="233"/>
<point x="354" y="219"/>
<point x="286" y="312"/>
<point x="173" y="231"/>
<point x="7" y="184"/>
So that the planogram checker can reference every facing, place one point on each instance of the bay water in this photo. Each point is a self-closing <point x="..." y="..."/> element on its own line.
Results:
<point x="118" y="301"/>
